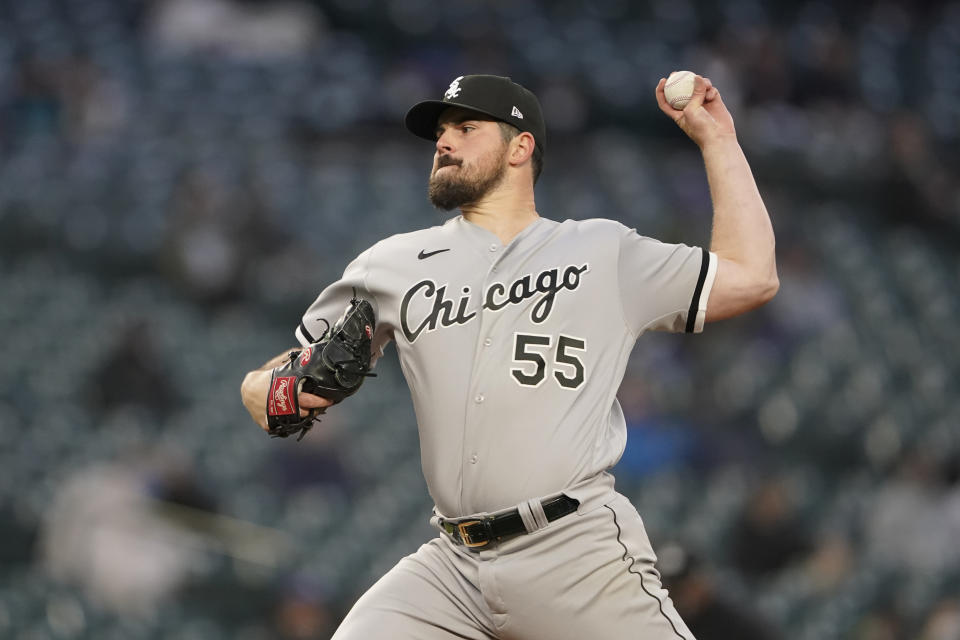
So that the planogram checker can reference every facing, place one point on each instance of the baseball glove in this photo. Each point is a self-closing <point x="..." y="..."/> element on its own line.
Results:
<point x="333" y="367"/>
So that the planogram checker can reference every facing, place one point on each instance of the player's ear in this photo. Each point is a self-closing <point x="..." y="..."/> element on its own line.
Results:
<point x="521" y="148"/>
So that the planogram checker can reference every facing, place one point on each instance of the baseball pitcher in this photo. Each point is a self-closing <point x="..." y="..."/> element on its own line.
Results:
<point x="513" y="332"/>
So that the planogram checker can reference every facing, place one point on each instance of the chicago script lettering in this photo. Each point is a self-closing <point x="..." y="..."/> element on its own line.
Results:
<point x="427" y="289"/>
<point x="445" y="312"/>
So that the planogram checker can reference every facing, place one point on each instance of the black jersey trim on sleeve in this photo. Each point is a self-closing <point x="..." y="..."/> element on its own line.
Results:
<point x="306" y="334"/>
<point x="695" y="303"/>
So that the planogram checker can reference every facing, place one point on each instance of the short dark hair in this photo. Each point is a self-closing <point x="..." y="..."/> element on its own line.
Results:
<point x="509" y="132"/>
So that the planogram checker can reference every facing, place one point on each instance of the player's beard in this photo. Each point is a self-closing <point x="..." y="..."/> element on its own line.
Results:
<point x="466" y="184"/>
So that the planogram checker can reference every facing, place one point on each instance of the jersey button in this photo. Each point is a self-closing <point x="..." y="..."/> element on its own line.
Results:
<point x="479" y="398"/>
<point x="493" y="247"/>
<point x="487" y="342"/>
<point x="474" y="458"/>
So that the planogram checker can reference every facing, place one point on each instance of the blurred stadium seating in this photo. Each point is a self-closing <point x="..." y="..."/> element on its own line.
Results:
<point x="178" y="179"/>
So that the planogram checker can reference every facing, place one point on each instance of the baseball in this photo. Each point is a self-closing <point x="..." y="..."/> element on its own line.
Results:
<point x="679" y="88"/>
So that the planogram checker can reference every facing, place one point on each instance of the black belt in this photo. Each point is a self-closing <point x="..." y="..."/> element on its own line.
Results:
<point x="477" y="533"/>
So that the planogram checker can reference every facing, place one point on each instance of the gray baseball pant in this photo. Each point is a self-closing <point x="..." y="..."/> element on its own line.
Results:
<point x="588" y="575"/>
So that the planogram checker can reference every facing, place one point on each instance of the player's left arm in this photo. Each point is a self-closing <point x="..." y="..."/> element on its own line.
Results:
<point x="742" y="237"/>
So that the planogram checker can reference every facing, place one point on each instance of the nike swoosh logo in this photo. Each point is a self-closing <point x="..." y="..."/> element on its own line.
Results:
<point x="424" y="254"/>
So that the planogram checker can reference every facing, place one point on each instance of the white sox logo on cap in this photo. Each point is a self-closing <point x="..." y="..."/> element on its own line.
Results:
<point x="454" y="90"/>
<point x="496" y="96"/>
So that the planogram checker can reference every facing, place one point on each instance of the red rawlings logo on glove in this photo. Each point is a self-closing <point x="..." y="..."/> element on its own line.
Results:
<point x="305" y="356"/>
<point x="280" y="401"/>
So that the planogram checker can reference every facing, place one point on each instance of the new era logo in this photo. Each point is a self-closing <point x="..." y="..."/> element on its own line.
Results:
<point x="516" y="113"/>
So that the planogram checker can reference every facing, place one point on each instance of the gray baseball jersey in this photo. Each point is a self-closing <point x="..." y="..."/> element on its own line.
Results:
<point x="513" y="354"/>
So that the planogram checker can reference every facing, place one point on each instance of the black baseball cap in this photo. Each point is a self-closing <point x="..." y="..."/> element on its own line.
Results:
<point x="496" y="96"/>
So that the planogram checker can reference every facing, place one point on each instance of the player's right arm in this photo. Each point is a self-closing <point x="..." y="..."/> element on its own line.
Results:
<point x="324" y="311"/>
<point x="256" y="385"/>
